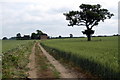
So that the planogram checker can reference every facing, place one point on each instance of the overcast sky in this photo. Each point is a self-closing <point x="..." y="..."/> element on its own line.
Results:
<point x="27" y="16"/>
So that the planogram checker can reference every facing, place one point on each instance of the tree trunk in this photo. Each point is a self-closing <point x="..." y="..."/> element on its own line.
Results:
<point x="89" y="37"/>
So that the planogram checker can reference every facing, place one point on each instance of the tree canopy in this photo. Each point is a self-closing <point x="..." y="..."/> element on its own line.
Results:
<point x="89" y="16"/>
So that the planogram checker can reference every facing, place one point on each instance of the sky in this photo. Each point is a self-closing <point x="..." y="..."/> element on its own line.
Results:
<point x="27" y="16"/>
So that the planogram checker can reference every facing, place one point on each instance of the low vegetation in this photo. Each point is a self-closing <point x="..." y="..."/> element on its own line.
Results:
<point x="15" y="58"/>
<point x="100" y="56"/>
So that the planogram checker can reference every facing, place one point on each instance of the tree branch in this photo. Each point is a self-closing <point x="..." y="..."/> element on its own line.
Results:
<point x="95" y="23"/>
<point x="87" y="25"/>
<point x="81" y="24"/>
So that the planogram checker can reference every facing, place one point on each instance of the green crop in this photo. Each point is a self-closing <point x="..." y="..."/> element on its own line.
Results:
<point x="99" y="56"/>
<point x="8" y="45"/>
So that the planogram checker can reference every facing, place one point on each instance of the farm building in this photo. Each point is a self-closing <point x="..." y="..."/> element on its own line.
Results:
<point x="43" y="36"/>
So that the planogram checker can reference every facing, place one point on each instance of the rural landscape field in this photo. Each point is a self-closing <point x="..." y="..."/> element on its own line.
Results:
<point x="75" y="39"/>
<point x="15" y="58"/>
<point x="99" y="57"/>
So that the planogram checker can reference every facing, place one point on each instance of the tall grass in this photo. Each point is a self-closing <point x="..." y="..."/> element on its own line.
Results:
<point x="99" y="56"/>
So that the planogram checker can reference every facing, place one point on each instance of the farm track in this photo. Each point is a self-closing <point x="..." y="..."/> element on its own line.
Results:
<point x="32" y="73"/>
<point x="64" y="73"/>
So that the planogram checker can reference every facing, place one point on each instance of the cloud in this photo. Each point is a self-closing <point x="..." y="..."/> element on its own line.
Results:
<point x="27" y="16"/>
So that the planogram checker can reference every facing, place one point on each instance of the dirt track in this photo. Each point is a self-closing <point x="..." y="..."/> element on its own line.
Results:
<point x="32" y="73"/>
<point x="64" y="72"/>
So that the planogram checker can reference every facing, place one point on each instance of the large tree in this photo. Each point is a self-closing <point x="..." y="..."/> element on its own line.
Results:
<point x="89" y="16"/>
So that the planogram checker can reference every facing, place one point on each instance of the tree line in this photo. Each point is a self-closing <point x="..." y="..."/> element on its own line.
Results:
<point x="27" y="37"/>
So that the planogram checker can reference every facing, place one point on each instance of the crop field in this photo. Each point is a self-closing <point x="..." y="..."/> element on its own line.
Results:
<point x="99" y="56"/>
<point x="8" y="45"/>
<point x="15" y="58"/>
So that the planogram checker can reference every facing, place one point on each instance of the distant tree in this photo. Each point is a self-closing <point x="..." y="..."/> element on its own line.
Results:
<point x="5" y="38"/>
<point x="13" y="38"/>
<point x="39" y="33"/>
<point x="89" y="16"/>
<point x="26" y="37"/>
<point x="71" y="35"/>
<point x="116" y="35"/>
<point x="18" y="36"/>
<point x="60" y="36"/>
<point x="33" y="36"/>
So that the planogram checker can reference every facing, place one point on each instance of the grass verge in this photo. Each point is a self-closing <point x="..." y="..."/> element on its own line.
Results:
<point x="14" y="62"/>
